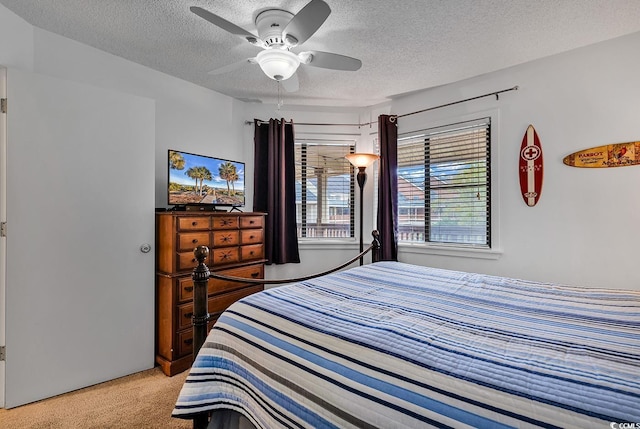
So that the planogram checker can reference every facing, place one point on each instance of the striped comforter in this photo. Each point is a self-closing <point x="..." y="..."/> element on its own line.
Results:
<point x="392" y="345"/>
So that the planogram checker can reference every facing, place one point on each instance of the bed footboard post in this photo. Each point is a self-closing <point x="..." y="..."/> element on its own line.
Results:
<point x="200" y="316"/>
<point x="375" y="252"/>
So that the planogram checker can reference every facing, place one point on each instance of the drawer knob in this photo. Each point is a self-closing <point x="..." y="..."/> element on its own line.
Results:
<point x="250" y="222"/>
<point x="194" y="260"/>
<point x="255" y="275"/>
<point x="251" y="236"/>
<point x="194" y="223"/>
<point x="194" y="241"/>
<point x="188" y="341"/>
<point x="188" y="288"/>
<point x="251" y="253"/>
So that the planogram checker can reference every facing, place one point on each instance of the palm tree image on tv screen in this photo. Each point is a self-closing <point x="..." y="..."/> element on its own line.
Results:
<point x="198" y="179"/>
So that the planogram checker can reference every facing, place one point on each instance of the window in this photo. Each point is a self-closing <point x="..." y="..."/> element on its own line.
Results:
<point x="325" y="195"/>
<point x="444" y="185"/>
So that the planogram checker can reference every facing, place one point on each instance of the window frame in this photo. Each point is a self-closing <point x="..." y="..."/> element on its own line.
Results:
<point x="493" y="252"/>
<point x="303" y="239"/>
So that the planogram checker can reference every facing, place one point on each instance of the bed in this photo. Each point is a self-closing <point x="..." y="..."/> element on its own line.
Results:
<point x="393" y="345"/>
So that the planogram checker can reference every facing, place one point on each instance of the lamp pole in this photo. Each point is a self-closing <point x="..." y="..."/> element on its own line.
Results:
<point x="361" y="161"/>
<point x="362" y="179"/>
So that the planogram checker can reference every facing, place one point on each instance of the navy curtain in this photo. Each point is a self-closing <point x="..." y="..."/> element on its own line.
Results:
<point x="275" y="190"/>
<point x="388" y="187"/>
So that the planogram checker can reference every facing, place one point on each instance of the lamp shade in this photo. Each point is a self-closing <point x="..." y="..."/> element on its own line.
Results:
<point x="362" y="159"/>
<point x="278" y="64"/>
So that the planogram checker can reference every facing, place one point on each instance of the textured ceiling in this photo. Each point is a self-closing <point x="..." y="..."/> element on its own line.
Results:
<point x="405" y="46"/>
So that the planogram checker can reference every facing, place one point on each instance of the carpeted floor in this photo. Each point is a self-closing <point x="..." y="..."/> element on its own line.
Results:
<point x="143" y="400"/>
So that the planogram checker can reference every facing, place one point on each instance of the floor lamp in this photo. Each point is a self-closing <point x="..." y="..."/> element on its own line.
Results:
<point x="361" y="161"/>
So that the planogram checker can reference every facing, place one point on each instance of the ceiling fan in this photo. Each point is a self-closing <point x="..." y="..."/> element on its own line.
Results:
<point x="279" y="31"/>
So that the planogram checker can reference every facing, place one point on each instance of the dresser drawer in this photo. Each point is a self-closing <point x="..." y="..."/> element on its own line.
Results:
<point x="253" y="251"/>
<point x="225" y="255"/>
<point x="185" y="340"/>
<point x="185" y="343"/>
<point x="251" y="221"/>
<point x="185" y="312"/>
<point x="216" y="305"/>
<point x="193" y="223"/>
<point x="188" y="261"/>
<point x="219" y="303"/>
<point x="250" y="272"/>
<point x="226" y="222"/>
<point x="226" y="238"/>
<point x="191" y="240"/>
<point x="185" y="288"/>
<point x="251" y="236"/>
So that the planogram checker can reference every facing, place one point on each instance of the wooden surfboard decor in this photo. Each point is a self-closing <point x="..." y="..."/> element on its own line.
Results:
<point x="531" y="167"/>
<point x="612" y="155"/>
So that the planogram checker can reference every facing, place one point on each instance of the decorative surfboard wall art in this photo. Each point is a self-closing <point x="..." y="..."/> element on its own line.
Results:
<point x="530" y="167"/>
<point x="612" y="155"/>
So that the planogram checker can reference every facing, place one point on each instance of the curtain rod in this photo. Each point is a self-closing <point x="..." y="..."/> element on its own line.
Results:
<point x="496" y="93"/>
<point x="308" y="123"/>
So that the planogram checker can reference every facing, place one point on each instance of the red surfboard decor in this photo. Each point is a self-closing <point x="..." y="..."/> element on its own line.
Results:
<point x="612" y="155"/>
<point x="530" y="167"/>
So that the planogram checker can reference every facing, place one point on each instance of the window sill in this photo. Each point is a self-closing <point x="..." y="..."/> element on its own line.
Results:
<point x="446" y="250"/>
<point x="330" y="244"/>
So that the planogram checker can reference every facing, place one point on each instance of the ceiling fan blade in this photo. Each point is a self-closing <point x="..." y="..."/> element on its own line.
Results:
<point x="327" y="60"/>
<point x="292" y="84"/>
<point x="232" y="66"/>
<point x="306" y="22"/>
<point x="225" y="25"/>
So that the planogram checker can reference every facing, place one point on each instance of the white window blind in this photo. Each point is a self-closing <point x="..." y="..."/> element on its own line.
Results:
<point x="325" y="195"/>
<point x="444" y="182"/>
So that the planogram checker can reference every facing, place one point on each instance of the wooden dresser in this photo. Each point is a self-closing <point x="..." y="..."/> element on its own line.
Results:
<point x="236" y="248"/>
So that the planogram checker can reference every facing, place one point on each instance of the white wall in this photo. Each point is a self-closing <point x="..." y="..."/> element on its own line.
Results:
<point x="583" y="231"/>
<point x="16" y="41"/>
<point x="188" y="117"/>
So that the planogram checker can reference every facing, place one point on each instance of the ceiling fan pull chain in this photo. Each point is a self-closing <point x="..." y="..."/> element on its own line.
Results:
<point x="280" y="100"/>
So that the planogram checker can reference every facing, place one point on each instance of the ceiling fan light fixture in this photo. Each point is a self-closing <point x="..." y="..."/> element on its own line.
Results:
<point x="278" y="64"/>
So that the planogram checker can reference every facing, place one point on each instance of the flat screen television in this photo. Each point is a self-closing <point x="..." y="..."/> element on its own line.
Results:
<point x="204" y="181"/>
